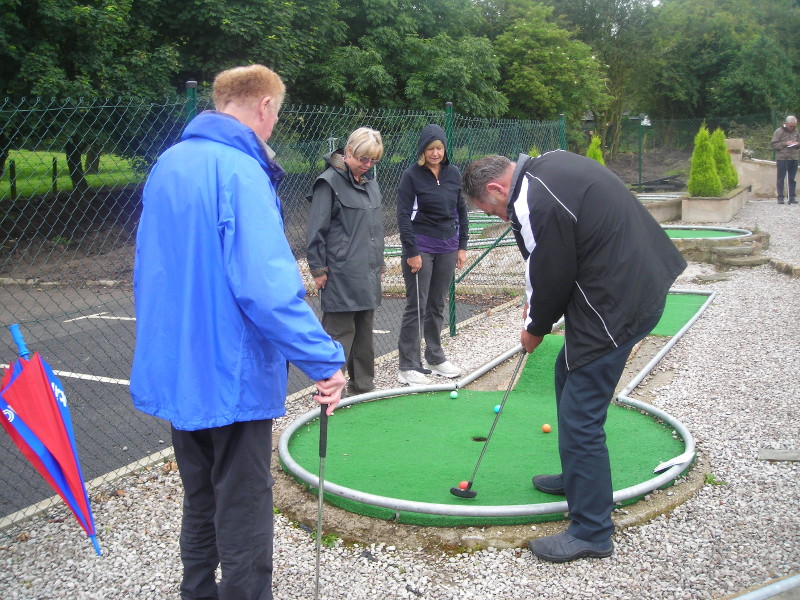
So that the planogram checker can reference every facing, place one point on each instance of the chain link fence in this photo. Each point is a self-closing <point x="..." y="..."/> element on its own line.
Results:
<point x="655" y="155"/>
<point x="71" y="177"/>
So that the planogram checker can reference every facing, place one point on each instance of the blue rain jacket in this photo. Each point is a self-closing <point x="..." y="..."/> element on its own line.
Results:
<point x="219" y="298"/>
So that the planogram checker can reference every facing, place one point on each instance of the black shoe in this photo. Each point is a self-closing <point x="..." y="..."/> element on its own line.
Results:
<point x="564" y="547"/>
<point x="780" y="201"/>
<point x="549" y="484"/>
<point x="792" y="201"/>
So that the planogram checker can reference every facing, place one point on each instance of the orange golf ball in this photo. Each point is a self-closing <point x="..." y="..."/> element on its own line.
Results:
<point x="546" y="428"/>
<point x="463" y="485"/>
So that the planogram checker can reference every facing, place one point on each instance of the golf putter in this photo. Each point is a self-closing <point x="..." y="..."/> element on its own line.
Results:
<point x="419" y="322"/>
<point x="468" y="492"/>
<point x="323" y="451"/>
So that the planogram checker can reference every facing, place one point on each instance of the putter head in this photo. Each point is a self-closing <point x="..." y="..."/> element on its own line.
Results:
<point x="467" y="493"/>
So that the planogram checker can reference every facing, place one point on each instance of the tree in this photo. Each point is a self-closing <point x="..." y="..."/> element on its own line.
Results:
<point x="213" y="35"/>
<point x="595" y="151"/>
<point x="402" y="54"/>
<point x="88" y="52"/>
<point x="755" y="81"/>
<point x="545" y="72"/>
<point x="616" y="30"/>
<point x="722" y="160"/>
<point x="703" y="177"/>
<point x="708" y="48"/>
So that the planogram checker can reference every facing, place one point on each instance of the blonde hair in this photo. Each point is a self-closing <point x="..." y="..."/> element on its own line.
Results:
<point x="421" y="159"/>
<point x="247" y="86"/>
<point x="365" y="142"/>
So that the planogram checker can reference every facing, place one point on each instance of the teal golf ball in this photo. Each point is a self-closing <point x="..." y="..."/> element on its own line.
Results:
<point x="497" y="408"/>
<point x="454" y="394"/>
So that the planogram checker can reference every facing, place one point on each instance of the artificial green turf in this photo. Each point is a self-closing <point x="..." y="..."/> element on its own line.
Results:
<point x="677" y="312"/>
<point x="700" y="233"/>
<point x="416" y="446"/>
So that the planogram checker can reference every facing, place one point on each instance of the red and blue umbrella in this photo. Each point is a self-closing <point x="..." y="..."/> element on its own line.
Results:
<point x="36" y="416"/>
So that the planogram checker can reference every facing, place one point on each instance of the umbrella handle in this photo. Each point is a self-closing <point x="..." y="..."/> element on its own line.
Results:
<point x="19" y="341"/>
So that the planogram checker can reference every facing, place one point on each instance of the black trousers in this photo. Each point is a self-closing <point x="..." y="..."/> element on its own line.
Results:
<point x="227" y="511"/>
<point x="787" y="170"/>
<point x="582" y="399"/>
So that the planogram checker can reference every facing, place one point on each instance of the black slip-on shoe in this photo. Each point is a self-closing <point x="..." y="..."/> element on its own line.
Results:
<point x="564" y="547"/>
<point x="549" y="484"/>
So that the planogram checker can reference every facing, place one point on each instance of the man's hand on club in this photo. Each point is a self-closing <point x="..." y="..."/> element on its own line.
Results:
<point x="329" y="391"/>
<point x="529" y="341"/>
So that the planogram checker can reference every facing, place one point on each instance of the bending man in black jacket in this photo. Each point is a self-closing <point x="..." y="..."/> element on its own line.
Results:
<point x="596" y="256"/>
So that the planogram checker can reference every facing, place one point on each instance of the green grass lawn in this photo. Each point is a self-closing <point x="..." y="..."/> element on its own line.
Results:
<point x="34" y="173"/>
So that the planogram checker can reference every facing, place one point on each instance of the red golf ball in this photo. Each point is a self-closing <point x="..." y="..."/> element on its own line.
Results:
<point x="463" y="485"/>
<point x="546" y="428"/>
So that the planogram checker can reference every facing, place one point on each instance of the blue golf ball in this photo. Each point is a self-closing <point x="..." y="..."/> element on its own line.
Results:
<point x="497" y="408"/>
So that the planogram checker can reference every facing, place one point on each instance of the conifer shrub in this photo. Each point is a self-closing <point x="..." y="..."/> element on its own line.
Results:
<point x="594" y="151"/>
<point x="722" y="158"/>
<point x="704" y="180"/>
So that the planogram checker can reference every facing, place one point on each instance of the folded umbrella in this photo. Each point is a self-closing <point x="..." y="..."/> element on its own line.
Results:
<point x="37" y="418"/>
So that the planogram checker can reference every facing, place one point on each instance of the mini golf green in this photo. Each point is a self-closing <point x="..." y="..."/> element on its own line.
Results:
<point x="416" y="446"/>
<point x="687" y="232"/>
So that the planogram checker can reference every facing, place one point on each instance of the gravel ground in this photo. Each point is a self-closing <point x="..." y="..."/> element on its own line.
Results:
<point x="733" y="383"/>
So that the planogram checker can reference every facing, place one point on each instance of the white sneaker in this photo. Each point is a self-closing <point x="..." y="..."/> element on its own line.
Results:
<point x="412" y="377"/>
<point x="446" y="369"/>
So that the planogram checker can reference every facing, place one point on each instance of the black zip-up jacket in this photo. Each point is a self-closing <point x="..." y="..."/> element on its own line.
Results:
<point x="594" y="254"/>
<point x="428" y="205"/>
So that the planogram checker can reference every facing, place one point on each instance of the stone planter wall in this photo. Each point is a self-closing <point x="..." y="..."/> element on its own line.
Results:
<point x="664" y="210"/>
<point x="760" y="175"/>
<point x="714" y="210"/>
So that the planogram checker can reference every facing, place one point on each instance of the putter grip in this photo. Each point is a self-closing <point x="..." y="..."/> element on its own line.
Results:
<point x="323" y="430"/>
<point x="19" y="340"/>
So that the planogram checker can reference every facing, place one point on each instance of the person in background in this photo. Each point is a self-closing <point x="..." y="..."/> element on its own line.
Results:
<point x="219" y="311"/>
<point x="596" y="256"/>
<point x="432" y="218"/>
<point x="345" y="251"/>
<point x="786" y="143"/>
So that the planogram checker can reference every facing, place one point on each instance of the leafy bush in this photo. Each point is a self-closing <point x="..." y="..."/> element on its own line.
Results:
<point x="594" y="150"/>
<point x="727" y="174"/>
<point x="704" y="180"/>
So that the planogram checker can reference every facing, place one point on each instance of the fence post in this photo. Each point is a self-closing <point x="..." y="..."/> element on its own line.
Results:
<point x="562" y="131"/>
<point x="54" y="187"/>
<point x="191" y="98"/>
<point x="448" y="130"/>
<point x="640" y="134"/>
<point x="12" y="178"/>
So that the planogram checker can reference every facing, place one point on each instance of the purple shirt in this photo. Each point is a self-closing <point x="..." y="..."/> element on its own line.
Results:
<point x="432" y="245"/>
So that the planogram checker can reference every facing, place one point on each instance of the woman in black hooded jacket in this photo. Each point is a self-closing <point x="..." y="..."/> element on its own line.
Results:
<point x="432" y="219"/>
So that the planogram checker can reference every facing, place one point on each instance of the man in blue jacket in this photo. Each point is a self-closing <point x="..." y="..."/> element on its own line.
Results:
<point x="596" y="256"/>
<point x="220" y="309"/>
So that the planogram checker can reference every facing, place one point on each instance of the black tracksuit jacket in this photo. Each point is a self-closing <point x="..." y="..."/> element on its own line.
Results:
<point x="593" y="253"/>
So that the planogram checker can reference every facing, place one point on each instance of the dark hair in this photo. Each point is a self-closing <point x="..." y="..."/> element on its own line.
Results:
<point x="479" y="174"/>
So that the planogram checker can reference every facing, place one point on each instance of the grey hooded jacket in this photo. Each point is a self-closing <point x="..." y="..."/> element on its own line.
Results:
<point x="345" y="238"/>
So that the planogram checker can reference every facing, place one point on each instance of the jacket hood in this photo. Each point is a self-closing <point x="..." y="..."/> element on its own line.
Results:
<point x="431" y="133"/>
<point x="225" y="129"/>
<point x="335" y="159"/>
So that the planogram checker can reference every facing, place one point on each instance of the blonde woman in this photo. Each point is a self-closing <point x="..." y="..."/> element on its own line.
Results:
<point x="345" y="250"/>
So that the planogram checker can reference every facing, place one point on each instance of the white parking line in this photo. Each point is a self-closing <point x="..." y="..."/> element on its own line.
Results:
<point x="100" y="316"/>
<point x="85" y="376"/>
<point x="88" y="377"/>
